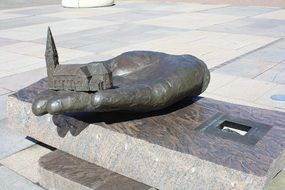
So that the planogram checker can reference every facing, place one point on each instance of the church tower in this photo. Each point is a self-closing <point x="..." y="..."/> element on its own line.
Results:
<point x="51" y="56"/>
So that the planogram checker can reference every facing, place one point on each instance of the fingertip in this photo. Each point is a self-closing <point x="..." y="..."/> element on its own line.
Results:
<point x="54" y="106"/>
<point x="39" y="107"/>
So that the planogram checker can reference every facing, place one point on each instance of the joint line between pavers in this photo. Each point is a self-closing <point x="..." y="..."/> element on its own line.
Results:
<point x="243" y="55"/>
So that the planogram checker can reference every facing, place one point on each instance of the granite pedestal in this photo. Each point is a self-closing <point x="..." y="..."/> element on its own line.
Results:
<point x="190" y="145"/>
<point x="63" y="171"/>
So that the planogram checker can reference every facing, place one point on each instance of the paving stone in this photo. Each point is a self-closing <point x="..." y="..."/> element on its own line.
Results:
<point x="134" y="16"/>
<point x="246" y="68"/>
<point x="84" y="13"/>
<point x="240" y="89"/>
<point x="11" y="141"/>
<point x="25" y="21"/>
<point x="9" y="4"/>
<point x="267" y="100"/>
<point x="33" y="32"/>
<point x="4" y="91"/>
<point x="38" y="11"/>
<point x="4" y="16"/>
<point x="4" y="74"/>
<point x="18" y="81"/>
<point x="9" y="57"/>
<point x="4" y="42"/>
<point x="264" y="64"/>
<point x="241" y="10"/>
<point x="185" y="7"/>
<point x="88" y="59"/>
<point x="137" y="5"/>
<point x="239" y="101"/>
<point x="17" y="61"/>
<point x="212" y="47"/>
<point x="268" y="54"/>
<point x="252" y="26"/>
<point x="279" y="14"/>
<point x="25" y="162"/>
<point x="37" y="50"/>
<point x="86" y="37"/>
<point x="3" y="103"/>
<point x="190" y="20"/>
<point x="112" y="36"/>
<point x="219" y="80"/>
<point x="100" y="46"/>
<point x="11" y="180"/>
<point x="276" y="74"/>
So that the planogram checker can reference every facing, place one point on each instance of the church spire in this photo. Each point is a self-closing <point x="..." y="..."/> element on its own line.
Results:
<point x="51" y="55"/>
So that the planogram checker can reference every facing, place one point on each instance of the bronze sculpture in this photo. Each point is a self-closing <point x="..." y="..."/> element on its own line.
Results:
<point x="142" y="81"/>
<point x="90" y="77"/>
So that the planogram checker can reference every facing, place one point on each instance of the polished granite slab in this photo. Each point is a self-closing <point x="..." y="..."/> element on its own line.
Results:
<point x="63" y="171"/>
<point x="181" y="147"/>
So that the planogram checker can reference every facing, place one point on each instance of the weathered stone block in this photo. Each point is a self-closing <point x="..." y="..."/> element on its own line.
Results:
<point x="185" y="146"/>
<point x="63" y="171"/>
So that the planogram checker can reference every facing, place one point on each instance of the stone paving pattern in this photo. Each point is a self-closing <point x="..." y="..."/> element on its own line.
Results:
<point x="244" y="47"/>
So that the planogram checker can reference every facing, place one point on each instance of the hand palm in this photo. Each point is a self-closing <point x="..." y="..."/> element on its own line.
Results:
<point x="143" y="81"/>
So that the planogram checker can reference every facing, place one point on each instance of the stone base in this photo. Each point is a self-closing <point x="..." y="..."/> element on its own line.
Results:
<point x="63" y="171"/>
<point x="86" y="3"/>
<point x="181" y="147"/>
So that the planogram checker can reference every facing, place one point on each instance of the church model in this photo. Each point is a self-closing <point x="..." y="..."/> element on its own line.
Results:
<point x="89" y="77"/>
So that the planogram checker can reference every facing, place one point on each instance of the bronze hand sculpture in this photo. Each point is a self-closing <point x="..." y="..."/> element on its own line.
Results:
<point x="141" y="81"/>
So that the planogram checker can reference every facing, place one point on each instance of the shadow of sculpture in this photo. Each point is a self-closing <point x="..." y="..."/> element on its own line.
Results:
<point x="77" y="122"/>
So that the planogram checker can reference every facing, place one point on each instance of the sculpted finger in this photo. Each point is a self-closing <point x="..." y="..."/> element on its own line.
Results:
<point x="69" y="102"/>
<point x="131" y="98"/>
<point x="40" y="102"/>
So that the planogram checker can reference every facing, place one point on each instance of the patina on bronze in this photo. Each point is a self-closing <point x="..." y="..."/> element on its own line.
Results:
<point x="90" y="77"/>
<point x="142" y="81"/>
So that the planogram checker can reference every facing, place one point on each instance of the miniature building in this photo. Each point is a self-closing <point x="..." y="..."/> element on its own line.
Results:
<point x="91" y="77"/>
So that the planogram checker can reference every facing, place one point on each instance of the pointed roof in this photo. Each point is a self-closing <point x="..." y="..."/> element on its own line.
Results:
<point x="98" y="68"/>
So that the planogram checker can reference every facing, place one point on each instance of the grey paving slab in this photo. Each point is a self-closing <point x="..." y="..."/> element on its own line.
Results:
<point x="84" y="35"/>
<point x="276" y="74"/>
<point x="147" y="33"/>
<point x="3" y="104"/>
<point x="100" y="45"/>
<point x="267" y="64"/>
<point x="8" y="4"/>
<point x="252" y="26"/>
<point x="33" y="11"/>
<point x="241" y="10"/>
<point x="11" y="142"/>
<point x="88" y="59"/>
<point x="4" y="91"/>
<point x="123" y="33"/>
<point x="5" y="41"/>
<point x="133" y="16"/>
<point x="272" y="53"/>
<point x="245" y="68"/>
<point x="19" y="81"/>
<point x="11" y="180"/>
<point x="25" y="21"/>
<point x="137" y="5"/>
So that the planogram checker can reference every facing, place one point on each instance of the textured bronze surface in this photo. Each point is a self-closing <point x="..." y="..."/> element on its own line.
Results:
<point x="174" y="128"/>
<point x="141" y="81"/>
<point x="91" y="77"/>
<point x="75" y="170"/>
